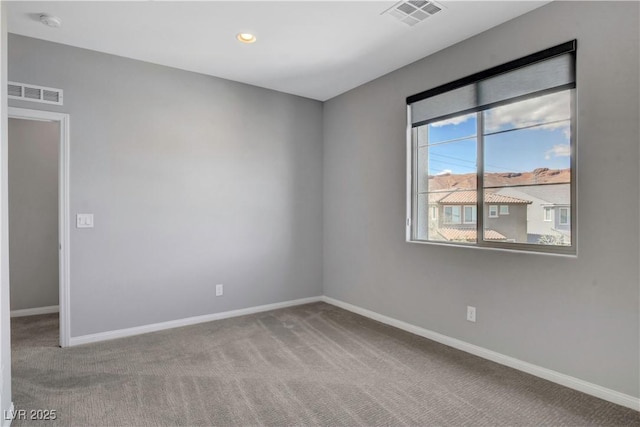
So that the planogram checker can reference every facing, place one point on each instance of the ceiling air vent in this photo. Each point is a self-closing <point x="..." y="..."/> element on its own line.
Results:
<point x="413" y="11"/>
<point x="27" y="92"/>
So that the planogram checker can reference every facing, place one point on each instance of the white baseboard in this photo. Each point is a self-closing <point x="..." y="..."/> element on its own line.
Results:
<point x="121" y="333"/>
<point x="547" y="374"/>
<point x="35" y="311"/>
<point x="8" y="415"/>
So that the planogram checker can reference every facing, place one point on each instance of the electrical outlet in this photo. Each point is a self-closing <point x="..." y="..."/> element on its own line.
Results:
<point x="471" y="313"/>
<point x="219" y="290"/>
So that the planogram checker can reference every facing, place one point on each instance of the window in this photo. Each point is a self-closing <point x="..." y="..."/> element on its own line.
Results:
<point x="434" y="213"/>
<point x="470" y="214"/>
<point x="452" y="214"/>
<point x="565" y="215"/>
<point x="497" y="143"/>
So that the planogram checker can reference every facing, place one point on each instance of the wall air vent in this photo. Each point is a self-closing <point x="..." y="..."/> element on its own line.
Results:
<point x="412" y="12"/>
<point x="27" y="92"/>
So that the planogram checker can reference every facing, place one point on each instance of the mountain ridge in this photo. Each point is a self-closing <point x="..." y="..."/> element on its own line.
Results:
<point x="468" y="181"/>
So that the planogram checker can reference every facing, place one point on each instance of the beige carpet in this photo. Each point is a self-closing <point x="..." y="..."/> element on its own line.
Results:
<point x="309" y="365"/>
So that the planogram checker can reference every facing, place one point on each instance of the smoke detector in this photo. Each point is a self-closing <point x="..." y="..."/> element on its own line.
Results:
<point x="412" y="12"/>
<point x="50" y="20"/>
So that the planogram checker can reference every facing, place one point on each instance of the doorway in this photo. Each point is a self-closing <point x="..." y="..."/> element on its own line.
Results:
<point x="39" y="215"/>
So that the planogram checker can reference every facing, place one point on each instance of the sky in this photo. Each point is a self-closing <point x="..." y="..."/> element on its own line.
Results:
<point x="546" y="145"/>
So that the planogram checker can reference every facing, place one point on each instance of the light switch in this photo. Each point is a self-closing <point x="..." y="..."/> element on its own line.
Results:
<point x="84" y="221"/>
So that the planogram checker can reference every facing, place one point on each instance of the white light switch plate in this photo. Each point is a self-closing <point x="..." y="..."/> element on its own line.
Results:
<point x="84" y="221"/>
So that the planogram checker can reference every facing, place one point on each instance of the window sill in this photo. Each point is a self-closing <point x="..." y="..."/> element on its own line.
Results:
<point x="532" y="251"/>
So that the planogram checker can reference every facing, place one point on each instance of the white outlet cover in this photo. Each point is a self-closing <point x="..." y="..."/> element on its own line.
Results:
<point x="471" y="313"/>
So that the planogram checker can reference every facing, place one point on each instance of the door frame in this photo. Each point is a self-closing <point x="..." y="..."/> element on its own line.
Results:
<point x="63" y="211"/>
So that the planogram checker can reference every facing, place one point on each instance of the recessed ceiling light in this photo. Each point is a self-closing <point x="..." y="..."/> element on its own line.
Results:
<point x="246" y="37"/>
<point x="50" y="20"/>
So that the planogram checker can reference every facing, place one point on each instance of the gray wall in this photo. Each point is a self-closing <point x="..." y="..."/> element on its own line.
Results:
<point x="33" y="213"/>
<point x="578" y="316"/>
<point x="196" y="181"/>
<point x="193" y="181"/>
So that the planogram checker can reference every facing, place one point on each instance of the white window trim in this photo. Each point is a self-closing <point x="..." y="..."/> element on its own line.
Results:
<point x="547" y="210"/>
<point x="444" y="220"/>
<point x="434" y="213"/>
<point x="560" y="216"/>
<point x="474" y="218"/>
<point x="491" y="215"/>
<point x="500" y="210"/>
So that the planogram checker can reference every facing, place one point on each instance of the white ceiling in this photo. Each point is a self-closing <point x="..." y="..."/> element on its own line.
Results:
<point x="312" y="49"/>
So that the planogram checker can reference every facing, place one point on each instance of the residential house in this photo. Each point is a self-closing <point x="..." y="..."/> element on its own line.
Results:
<point x="548" y="214"/>
<point x="453" y="216"/>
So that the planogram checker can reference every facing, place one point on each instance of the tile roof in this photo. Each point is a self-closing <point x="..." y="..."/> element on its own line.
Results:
<point x="468" y="235"/>
<point x="493" y="235"/>
<point x="435" y="197"/>
<point x="471" y="197"/>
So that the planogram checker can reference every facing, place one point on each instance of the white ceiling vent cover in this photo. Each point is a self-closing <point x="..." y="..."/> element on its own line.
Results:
<point x="412" y="12"/>
<point x="27" y="92"/>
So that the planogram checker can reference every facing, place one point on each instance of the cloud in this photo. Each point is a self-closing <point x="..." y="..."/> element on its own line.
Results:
<point x="543" y="109"/>
<point x="453" y="120"/>
<point x="559" y="150"/>
<point x="445" y="172"/>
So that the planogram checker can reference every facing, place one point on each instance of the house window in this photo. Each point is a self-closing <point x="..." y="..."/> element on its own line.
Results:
<point x="452" y="214"/>
<point x="434" y="213"/>
<point x="470" y="214"/>
<point x="548" y="214"/>
<point x="565" y="215"/>
<point x="499" y="142"/>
